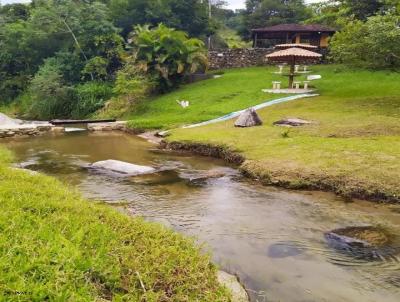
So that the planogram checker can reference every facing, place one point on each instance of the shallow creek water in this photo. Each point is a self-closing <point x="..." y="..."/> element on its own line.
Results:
<point x="273" y="239"/>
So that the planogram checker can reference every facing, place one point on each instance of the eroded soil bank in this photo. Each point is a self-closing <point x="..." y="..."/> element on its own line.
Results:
<point x="284" y="178"/>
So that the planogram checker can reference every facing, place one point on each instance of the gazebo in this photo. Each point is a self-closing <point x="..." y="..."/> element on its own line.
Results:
<point x="293" y="56"/>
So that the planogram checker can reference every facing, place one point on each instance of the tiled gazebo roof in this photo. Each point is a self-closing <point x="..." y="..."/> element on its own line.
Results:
<point x="294" y="52"/>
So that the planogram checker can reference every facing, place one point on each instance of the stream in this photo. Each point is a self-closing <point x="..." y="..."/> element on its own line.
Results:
<point x="272" y="238"/>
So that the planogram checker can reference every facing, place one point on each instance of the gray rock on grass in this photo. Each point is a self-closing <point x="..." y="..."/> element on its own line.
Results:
<point x="249" y="118"/>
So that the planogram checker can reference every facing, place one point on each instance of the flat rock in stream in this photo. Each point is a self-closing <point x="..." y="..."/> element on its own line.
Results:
<point x="201" y="178"/>
<point x="121" y="167"/>
<point x="160" y="178"/>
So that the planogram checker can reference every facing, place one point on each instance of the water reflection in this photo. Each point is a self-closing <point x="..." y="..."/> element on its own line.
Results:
<point x="273" y="239"/>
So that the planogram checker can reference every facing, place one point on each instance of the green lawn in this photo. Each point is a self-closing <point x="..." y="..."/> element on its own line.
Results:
<point x="353" y="149"/>
<point x="56" y="246"/>
<point x="236" y="89"/>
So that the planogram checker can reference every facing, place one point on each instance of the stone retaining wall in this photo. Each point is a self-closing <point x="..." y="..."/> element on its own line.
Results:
<point x="8" y="131"/>
<point x="237" y="57"/>
<point x="245" y="57"/>
<point x="24" y="130"/>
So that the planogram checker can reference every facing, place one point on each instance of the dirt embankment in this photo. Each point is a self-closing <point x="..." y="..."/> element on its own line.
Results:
<point x="206" y="150"/>
<point x="267" y="176"/>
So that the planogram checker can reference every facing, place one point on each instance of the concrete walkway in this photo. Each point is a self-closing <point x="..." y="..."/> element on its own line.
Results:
<point x="257" y="107"/>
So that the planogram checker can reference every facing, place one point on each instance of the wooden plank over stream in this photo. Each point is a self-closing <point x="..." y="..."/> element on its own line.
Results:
<point x="73" y="122"/>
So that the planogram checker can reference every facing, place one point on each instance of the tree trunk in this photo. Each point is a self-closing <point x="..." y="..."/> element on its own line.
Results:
<point x="77" y="44"/>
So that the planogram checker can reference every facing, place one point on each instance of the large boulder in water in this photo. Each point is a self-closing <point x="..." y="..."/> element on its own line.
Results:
<point x="363" y="236"/>
<point x="362" y="242"/>
<point x="121" y="167"/>
<point x="249" y="118"/>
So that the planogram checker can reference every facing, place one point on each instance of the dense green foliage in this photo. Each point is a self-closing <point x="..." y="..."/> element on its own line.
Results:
<point x="50" y="96"/>
<point x="56" y="246"/>
<point x="90" y="97"/>
<point x="339" y="13"/>
<point x="362" y="9"/>
<point x="186" y="15"/>
<point x="368" y="33"/>
<point x="55" y="29"/>
<point x="352" y="148"/>
<point x="74" y="43"/>
<point x="373" y="44"/>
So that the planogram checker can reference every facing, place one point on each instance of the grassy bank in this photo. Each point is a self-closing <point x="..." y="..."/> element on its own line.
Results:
<point x="352" y="149"/>
<point x="56" y="246"/>
<point x="208" y="99"/>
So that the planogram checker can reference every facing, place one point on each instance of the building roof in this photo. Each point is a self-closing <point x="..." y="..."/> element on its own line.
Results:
<point x="294" y="52"/>
<point x="290" y="45"/>
<point x="295" y="28"/>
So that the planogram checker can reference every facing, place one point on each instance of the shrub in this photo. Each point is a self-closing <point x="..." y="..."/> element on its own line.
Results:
<point x="90" y="97"/>
<point x="50" y="96"/>
<point x="373" y="44"/>
<point x="131" y="87"/>
<point x="132" y="84"/>
<point x="96" y="67"/>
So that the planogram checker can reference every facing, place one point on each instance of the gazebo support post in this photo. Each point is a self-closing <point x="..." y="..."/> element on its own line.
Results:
<point x="291" y="75"/>
<point x="255" y="41"/>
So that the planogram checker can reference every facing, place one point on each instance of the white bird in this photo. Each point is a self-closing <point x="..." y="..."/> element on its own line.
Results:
<point x="183" y="103"/>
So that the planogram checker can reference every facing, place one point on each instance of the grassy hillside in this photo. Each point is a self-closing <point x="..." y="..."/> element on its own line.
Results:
<point x="232" y="38"/>
<point x="353" y="148"/>
<point x="55" y="246"/>
<point x="236" y="89"/>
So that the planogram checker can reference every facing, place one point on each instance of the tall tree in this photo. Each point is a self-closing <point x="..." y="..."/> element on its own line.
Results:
<point x="362" y="9"/>
<point x="373" y="43"/>
<point x="331" y="13"/>
<point x="262" y="13"/>
<point x="78" y="31"/>
<point x="187" y="15"/>
<point x="13" y="12"/>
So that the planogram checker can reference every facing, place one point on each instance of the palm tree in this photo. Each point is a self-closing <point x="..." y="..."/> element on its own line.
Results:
<point x="167" y="55"/>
